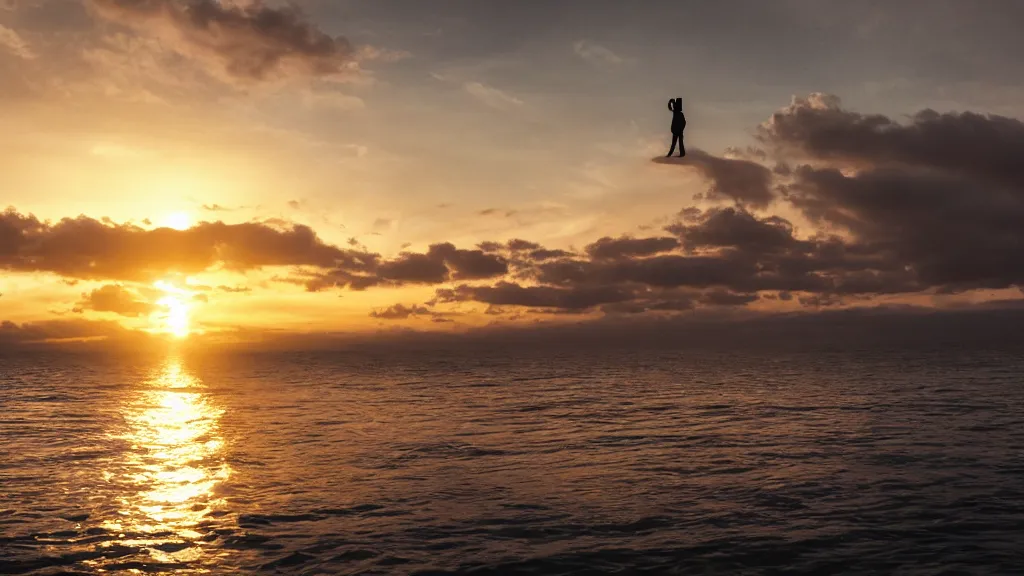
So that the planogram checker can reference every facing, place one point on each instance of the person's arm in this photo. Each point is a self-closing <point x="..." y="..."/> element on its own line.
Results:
<point x="670" y="108"/>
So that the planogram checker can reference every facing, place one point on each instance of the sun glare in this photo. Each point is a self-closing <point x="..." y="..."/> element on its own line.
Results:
<point x="176" y="304"/>
<point x="177" y="220"/>
<point x="176" y="320"/>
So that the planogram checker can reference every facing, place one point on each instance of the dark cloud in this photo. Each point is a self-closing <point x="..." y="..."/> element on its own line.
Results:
<point x="545" y="254"/>
<point x="441" y="263"/>
<point x="726" y="298"/>
<point x="666" y="271"/>
<point x="818" y="300"/>
<point x="521" y="251"/>
<point x="89" y="249"/>
<point x="735" y="228"/>
<point x="733" y="256"/>
<point x="676" y="303"/>
<point x="250" y="41"/>
<point x="520" y="245"/>
<point x="736" y="251"/>
<point x="742" y="181"/>
<point x="512" y="294"/>
<point x="117" y="299"/>
<point x="12" y="334"/>
<point x="412" y="268"/>
<point x="951" y="230"/>
<point x="626" y="247"/>
<point x="469" y="264"/>
<point x="400" y="312"/>
<point x="943" y="193"/>
<point x="403" y="312"/>
<point x="983" y="147"/>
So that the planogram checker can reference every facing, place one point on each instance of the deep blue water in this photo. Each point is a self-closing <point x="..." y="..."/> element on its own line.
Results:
<point x="699" y="462"/>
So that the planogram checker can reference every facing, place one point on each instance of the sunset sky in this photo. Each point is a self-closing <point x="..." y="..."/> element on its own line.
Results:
<point x="187" y="167"/>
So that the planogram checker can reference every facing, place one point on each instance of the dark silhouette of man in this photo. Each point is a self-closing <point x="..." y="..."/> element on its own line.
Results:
<point x="675" y="105"/>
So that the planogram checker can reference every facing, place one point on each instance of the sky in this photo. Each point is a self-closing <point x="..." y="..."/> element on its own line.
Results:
<point x="192" y="168"/>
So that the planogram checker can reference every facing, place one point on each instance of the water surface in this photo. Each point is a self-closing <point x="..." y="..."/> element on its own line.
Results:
<point x="854" y="462"/>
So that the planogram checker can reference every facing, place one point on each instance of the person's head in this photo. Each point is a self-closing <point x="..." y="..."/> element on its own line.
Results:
<point x="678" y="105"/>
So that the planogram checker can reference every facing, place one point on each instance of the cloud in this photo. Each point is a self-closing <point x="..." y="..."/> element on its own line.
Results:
<point x="735" y="228"/>
<point x="247" y="41"/>
<point x="944" y="192"/>
<point x="861" y="225"/>
<point x="441" y="263"/>
<point x="627" y="247"/>
<point x="492" y="96"/>
<point x="985" y="147"/>
<point x="742" y="181"/>
<point x="521" y="252"/>
<point x="733" y="250"/>
<point x="12" y="334"/>
<point x="15" y="44"/>
<point x="86" y="248"/>
<point x="383" y="224"/>
<point x="726" y="298"/>
<point x="663" y="271"/>
<point x="909" y="222"/>
<point x="116" y="299"/>
<point x="400" y="312"/>
<point x="595" y="53"/>
<point x="91" y="249"/>
<point x="469" y="264"/>
<point x="512" y="294"/>
<point x="954" y="232"/>
<point x="403" y="312"/>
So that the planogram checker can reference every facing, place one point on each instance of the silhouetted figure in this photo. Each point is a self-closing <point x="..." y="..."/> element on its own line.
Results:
<point x="678" y="125"/>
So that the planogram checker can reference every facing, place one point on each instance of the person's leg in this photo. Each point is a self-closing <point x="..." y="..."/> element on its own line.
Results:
<point x="682" y="150"/>
<point x="673" y="148"/>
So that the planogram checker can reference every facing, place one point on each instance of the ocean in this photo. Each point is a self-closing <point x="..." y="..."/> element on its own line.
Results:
<point x="542" y="461"/>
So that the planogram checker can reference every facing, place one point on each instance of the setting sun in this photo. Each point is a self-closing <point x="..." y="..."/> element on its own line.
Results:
<point x="176" y="304"/>
<point x="176" y="319"/>
<point x="177" y="221"/>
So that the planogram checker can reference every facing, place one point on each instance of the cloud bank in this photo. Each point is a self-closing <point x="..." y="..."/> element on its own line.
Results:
<point x="930" y="206"/>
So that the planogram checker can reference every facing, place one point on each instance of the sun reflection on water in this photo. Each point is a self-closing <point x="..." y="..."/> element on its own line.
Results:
<point x="173" y="468"/>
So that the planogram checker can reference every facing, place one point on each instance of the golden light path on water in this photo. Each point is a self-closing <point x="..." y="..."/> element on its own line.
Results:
<point x="169" y="476"/>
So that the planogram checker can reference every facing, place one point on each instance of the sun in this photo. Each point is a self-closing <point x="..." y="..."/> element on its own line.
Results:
<point x="176" y="320"/>
<point x="177" y="220"/>
<point x="176" y="303"/>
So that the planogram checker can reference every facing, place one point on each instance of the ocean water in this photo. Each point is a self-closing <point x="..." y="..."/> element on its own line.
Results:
<point x="671" y="461"/>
